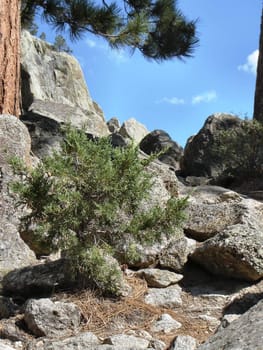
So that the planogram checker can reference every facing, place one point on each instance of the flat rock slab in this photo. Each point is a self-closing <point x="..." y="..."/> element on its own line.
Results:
<point x="157" y="278"/>
<point x="44" y="317"/>
<point x="169" y="297"/>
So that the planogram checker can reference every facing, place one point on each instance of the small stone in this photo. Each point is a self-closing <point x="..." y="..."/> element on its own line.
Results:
<point x="166" y="324"/>
<point x="184" y="342"/>
<point x="127" y="341"/>
<point x="169" y="297"/>
<point x="227" y="319"/>
<point x="157" y="278"/>
<point x="214" y="322"/>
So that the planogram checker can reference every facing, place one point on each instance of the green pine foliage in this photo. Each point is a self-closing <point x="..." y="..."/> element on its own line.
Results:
<point x="61" y="45"/>
<point x="157" y="28"/>
<point x="241" y="149"/>
<point x="88" y="196"/>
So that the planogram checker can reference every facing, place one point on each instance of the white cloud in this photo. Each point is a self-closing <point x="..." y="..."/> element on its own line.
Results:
<point x="90" y="43"/>
<point x="206" y="97"/>
<point x="251" y="63"/>
<point x="172" y="100"/>
<point x="116" y="55"/>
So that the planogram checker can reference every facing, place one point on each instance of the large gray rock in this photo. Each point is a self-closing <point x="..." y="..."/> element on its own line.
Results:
<point x="54" y="92"/>
<point x="14" y="253"/>
<point x="198" y="159"/>
<point x="236" y="252"/>
<point x="46" y="278"/>
<point x="234" y="224"/>
<point x="206" y="220"/>
<point x="211" y="209"/>
<point x="159" y="140"/>
<point x="165" y="185"/>
<point x="245" y="333"/>
<point x="133" y="130"/>
<point x="44" y="317"/>
<point x="208" y="194"/>
<point x="14" y="142"/>
<point x="41" y="279"/>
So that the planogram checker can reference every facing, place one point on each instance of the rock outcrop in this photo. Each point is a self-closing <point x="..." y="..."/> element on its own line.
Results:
<point x="159" y="140"/>
<point x="199" y="159"/>
<point x="54" y="92"/>
<point x="131" y="129"/>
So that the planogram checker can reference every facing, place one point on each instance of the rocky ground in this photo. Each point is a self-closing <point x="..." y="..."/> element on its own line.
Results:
<point x="208" y="302"/>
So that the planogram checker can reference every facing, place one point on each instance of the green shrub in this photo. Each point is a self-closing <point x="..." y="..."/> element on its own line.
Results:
<point x="241" y="149"/>
<point x="89" y="195"/>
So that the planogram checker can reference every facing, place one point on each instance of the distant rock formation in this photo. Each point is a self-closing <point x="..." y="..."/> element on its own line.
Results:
<point x="198" y="159"/>
<point x="54" y="92"/>
<point x="159" y="140"/>
<point x="131" y="129"/>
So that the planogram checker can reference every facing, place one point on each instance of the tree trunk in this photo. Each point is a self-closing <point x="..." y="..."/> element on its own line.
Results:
<point x="10" y="57"/>
<point x="258" y="101"/>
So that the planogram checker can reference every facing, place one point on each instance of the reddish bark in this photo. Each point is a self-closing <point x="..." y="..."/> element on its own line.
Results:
<point x="10" y="57"/>
<point x="258" y="101"/>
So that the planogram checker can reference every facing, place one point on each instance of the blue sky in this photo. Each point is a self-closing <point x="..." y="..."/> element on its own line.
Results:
<point x="177" y="96"/>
